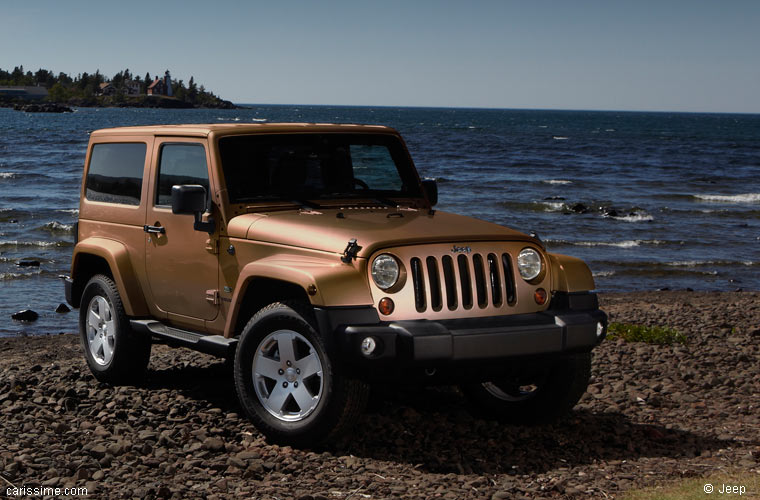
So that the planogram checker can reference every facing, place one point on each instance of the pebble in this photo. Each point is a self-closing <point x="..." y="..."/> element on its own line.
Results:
<point x="652" y="414"/>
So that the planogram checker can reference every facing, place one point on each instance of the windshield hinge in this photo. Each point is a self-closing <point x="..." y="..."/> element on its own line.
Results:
<point x="350" y="252"/>
<point x="212" y="245"/>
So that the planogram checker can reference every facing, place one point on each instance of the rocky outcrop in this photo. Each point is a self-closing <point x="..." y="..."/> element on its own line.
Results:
<point x="43" y="107"/>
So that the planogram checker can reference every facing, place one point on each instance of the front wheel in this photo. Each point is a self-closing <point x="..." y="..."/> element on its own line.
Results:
<point x="114" y="353"/>
<point x="543" y="397"/>
<point x="287" y="382"/>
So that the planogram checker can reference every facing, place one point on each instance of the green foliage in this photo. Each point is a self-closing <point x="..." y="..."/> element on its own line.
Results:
<point x="661" y="335"/>
<point x="81" y="90"/>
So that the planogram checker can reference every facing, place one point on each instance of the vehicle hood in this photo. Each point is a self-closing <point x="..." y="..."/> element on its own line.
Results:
<point x="328" y="230"/>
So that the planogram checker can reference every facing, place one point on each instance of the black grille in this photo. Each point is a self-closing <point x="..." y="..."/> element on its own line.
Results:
<point x="475" y="274"/>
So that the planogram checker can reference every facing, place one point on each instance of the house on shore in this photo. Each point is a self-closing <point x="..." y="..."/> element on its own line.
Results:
<point x="106" y="89"/>
<point x="30" y="93"/>
<point x="161" y="86"/>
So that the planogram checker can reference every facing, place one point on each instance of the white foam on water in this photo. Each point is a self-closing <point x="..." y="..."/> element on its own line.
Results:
<point x="736" y="198"/>
<point x="557" y="181"/>
<point x="560" y="138"/>
<point x="259" y="120"/>
<point x="618" y="244"/>
<point x="635" y="218"/>
<point x="57" y="226"/>
<point x="553" y="206"/>
<point x="602" y="274"/>
<point x="72" y="211"/>
<point x="16" y="243"/>
<point x="7" y="175"/>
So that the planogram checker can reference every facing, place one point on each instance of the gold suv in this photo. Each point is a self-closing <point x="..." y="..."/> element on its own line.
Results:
<point x="311" y="255"/>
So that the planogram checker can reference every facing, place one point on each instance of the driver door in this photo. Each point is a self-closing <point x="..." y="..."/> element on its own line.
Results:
<point x="181" y="266"/>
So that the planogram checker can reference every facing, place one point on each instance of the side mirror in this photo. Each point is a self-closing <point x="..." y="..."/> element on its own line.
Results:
<point x="431" y="191"/>
<point x="190" y="199"/>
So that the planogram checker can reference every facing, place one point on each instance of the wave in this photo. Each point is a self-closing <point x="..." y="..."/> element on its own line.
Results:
<point x="557" y="181"/>
<point x="72" y="211"/>
<point x="603" y="274"/>
<point x="34" y="244"/>
<point x="736" y="198"/>
<point x="635" y="218"/>
<point x="618" y="244"/>
<point x="57" y="227"/>
<point x="16" y="276"/>
<point x="689" y="264"/>
<point x="259" y="120"/>
<point x="560" y="138"/>
<point x="8" y="175"/>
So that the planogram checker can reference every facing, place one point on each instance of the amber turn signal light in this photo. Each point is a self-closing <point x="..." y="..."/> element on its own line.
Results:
<point x="540" y="295"/>
<point x="386" y="306"/>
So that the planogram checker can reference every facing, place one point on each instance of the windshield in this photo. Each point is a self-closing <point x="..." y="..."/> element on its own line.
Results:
<point x="313" y="166"/>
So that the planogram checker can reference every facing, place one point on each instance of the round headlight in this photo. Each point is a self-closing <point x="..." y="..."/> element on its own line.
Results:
<point x="385" y="271"/>
<point x="529" y="264"/>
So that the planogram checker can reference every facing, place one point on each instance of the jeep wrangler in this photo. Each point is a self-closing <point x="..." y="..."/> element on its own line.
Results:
<point x="311" y="256"/>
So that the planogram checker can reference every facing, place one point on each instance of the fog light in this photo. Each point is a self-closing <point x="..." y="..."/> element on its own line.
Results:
<point x="368" y="346"/>
<point x="540" y="296"/>
<point x="599" y="329"/>
<point x="386" y="306"/>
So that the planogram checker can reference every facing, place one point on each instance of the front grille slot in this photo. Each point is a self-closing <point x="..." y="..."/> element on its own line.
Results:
<point x="480" y="280"/>
<point x="465" y="281"/>
<point x="418" y="282"/>
<point x="495" y="279"/>
<point x="436" y="301"/>
<point x="450" y="281"/>
<point x="509" y="278"/>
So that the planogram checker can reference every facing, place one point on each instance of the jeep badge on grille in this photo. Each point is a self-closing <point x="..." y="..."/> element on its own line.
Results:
<point x="456" y="249"/>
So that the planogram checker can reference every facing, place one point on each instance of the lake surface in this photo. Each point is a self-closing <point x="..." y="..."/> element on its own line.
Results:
<point x="649" y="200"/>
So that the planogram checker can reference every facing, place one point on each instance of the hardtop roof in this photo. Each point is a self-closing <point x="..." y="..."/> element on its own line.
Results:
<point x="205" y="129"/>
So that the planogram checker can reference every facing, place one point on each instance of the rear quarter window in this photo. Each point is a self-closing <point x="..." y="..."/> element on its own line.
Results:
<point x="116" y="173"/>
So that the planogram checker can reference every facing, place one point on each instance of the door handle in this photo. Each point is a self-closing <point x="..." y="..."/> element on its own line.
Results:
<point x="154" y="229"/>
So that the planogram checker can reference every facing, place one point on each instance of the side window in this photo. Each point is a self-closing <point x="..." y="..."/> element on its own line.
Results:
<point x="116" y="173"/>
<point x="180" y="164"/>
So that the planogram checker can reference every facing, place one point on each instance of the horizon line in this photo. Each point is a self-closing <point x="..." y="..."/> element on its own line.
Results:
<point x="485" y="108"/>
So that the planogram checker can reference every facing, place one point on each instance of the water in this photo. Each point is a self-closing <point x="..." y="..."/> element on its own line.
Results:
<point x="668" y="200"/>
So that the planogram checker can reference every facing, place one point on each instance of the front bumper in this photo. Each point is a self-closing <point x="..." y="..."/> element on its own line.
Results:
<point x="431" y="343"/>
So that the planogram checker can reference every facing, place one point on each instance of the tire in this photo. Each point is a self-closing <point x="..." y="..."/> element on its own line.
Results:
<point x="287" y="379"/>
<point x="541" y="399"/>
<point x="114" y="353"/>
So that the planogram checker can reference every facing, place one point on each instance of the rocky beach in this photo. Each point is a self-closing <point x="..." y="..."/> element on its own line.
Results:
<point x="652" y="414"/>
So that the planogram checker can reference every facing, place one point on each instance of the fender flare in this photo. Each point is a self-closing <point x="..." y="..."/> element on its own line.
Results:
<point x="570" y="274"/>
<point x="117" y="256"/>
<point x="342" y="284"/>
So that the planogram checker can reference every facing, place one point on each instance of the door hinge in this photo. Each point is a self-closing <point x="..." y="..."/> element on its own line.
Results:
<point x="213" y="296"/>
<point x="212" y="245"/>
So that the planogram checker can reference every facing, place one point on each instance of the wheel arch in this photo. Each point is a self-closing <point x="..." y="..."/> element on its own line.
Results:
<point x="111" y="258"/>
<point x="312" y="281"/>
<point x="258" y="292"/>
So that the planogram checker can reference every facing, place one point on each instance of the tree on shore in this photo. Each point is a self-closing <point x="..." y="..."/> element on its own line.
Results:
<point x="82" y="89"/>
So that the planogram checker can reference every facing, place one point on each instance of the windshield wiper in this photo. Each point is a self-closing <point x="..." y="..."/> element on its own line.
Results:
<point x="306" y="204"/>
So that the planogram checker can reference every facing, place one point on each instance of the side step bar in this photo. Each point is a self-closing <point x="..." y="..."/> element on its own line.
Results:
<point x="216" y="345"/>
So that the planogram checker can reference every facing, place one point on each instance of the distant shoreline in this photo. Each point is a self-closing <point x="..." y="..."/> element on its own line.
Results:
<point x="142" y="101"/>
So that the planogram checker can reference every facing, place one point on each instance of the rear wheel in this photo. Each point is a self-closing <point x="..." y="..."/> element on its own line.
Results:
<point x="114" y="353"/>
<point x="287" y="379"/>
<point x="540" y="398"/>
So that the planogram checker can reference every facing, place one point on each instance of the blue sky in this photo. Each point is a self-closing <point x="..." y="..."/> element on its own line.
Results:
<point x="678" y="55"/>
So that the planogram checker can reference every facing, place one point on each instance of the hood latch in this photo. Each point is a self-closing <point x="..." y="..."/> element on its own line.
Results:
<point x="350" y="252"/>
